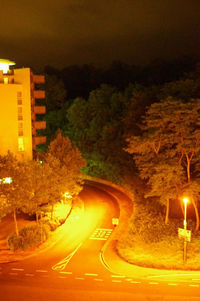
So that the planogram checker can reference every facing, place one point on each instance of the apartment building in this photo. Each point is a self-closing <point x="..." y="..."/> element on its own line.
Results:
<point x="19" y="97"/>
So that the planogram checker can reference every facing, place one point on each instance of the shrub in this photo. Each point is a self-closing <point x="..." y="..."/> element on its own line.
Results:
<point x="28" y="237"/>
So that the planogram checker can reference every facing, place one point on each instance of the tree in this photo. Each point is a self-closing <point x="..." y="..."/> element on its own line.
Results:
<point x="15" y="193"/>
<point x="56" y="93"/>
<point x="64" y="161"/>
<point x="171" y="135"/>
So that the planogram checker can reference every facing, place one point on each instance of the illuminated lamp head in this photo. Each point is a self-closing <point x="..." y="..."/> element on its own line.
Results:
<point x="5" y="64"/>
<point x="185" y="200"/>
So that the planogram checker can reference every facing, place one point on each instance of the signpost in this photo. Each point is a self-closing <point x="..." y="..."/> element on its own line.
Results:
<point x="115" y="221"/>
<point x="183" y="233"/>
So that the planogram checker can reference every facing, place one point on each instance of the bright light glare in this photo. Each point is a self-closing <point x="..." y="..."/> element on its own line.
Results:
<point x="67" y="195"/>
<point x="4" y="65"/>
<point x="185" y="200"/>
<point x="60" y="211"/>
<point x="7" y="180"/>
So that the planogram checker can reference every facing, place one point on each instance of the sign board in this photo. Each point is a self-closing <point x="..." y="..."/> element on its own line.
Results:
<point x="115" y="221"/>
<point x="183" y="233"/>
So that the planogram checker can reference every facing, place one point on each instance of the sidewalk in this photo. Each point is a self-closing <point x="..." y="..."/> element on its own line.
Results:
<point x="6" y="255"/>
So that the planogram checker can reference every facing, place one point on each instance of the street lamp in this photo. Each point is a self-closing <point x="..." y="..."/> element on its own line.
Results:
<point x="185" y="200"/>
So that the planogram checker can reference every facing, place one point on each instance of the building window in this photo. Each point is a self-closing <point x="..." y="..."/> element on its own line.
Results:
<point x="20" y="144"/>
<point x="20" y="132"/>
<point x="19" y="98"/>
<point x="20" y="125"/>
<point x="5" y="80"/>
<point x="20" y="117"/>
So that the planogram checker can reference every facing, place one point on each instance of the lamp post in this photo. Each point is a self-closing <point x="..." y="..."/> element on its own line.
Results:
<point x="185" y="200"/>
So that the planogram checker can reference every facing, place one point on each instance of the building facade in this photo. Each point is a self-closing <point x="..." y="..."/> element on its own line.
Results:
<point x="18" y="111"/>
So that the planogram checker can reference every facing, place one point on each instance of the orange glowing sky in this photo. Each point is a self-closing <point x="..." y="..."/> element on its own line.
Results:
<point x="62" y="33"/>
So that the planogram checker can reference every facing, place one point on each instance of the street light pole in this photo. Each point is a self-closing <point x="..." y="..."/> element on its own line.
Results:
<point x="185" y="200"/>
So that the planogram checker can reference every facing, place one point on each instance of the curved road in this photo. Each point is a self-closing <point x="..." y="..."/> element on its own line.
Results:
<point x="74" y="268"/>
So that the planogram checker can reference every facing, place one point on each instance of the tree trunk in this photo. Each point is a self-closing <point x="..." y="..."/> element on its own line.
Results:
<point x="197" y="215"/>
<point x="167" y="212"/>
<point x="37" y="218"/>
<point x="52" y="209"/>
<point x="188" y="169"/>
<point x="15" y="220"/>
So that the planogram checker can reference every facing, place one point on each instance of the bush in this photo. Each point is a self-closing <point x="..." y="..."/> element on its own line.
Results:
<point x="28" y="237"/>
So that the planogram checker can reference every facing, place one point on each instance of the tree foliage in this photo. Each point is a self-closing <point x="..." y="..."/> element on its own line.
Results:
<point x="170" y="142"/>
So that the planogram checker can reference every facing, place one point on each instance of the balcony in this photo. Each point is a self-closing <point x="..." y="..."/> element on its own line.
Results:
<point x="38" y="79"/>
<point x="39" y="109"/>
<point x="38" y="140"/>
<point x="39" y="94"/>
<point x="39" y="125"/>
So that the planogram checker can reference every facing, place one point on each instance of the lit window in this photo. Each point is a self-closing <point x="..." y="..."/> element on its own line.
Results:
<point x="20" y="144"/>
<point x="5" y="80"/>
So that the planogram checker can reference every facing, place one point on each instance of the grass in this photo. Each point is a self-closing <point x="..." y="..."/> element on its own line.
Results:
<point x="148" y="242"/>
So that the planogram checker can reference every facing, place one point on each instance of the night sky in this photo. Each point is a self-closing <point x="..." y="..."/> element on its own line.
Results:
<point x="66" y="32"/>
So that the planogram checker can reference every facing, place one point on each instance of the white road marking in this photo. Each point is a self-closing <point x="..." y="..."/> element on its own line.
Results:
<point x="197" y="279"/>
<point x="68" y="273"/>
<point x="41" y="271"/>
<point x="173" y="284"/>
<point x="79" y="278"/>
<point x="194" y="285"/>
<point x="97" y="279"/>
<point x="13" y="274"/>
<point x="101" y="234"/>
<point x="135" y="282"/>
<point x="153" y="283"/>
<point x="90" y="274"/>
<point x="15" y="269"/>
<point x="62" y="264"/>
<point x="62" y="277"/>
<point x="29" y="275"/>
<point x="118" y="276"/>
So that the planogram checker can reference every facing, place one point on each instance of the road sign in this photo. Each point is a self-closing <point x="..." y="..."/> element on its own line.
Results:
<point x="115" y="221"/>
<point x="183" y="233"/>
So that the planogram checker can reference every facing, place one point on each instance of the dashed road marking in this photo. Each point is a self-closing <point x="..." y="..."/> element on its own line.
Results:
<point x="67" y="273"/>
<point x="97" y="279"/>
<point x="173" y="284"/>
<point x="118" y="276"/>
<point x="29" y="275"/>
<point x="135" y="282"/>
<point x="41" y="271"/>
<point x="62" y="277"/>
<point x="153" y="283"/>
<point x="90" y="274"/>
<point x="16" y="269"/>
<point x="194" y="285"/>
<point x="13" y="274"/>
<point x="79" y="278"/>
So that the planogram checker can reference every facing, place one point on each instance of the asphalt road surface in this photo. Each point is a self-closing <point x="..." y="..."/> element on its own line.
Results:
<point x="74" y="268"/>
